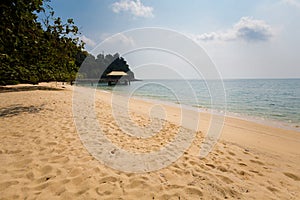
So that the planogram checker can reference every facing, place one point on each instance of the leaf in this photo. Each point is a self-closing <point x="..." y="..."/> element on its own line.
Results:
<point x="70" y="21"/>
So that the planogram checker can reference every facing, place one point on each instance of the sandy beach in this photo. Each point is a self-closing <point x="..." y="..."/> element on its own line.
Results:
<point x="42" y="156"/>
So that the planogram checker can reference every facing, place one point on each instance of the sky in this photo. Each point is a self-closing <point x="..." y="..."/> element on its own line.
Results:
<point x="243" y="39"/>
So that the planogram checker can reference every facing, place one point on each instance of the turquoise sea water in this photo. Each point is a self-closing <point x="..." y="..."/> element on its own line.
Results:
<point x="272" y="100"/>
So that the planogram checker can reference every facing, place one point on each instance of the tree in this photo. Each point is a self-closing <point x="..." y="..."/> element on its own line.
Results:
<point x="99" y="67"/>
<point x="34" y="50"/>
<point x="19" y="31"/>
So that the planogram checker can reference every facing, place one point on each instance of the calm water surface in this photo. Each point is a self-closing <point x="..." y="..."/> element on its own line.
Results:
<point x="272" y="100"/>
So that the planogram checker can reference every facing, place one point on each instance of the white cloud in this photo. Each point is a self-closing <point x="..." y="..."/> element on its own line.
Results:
<point x="292" y="2"/>
<point x="121" y="39"/>
<point x="135" y="7"/>
<point x="250" y="29"/>
<point x="88" y="41"/>
<point x="247" y="29"/>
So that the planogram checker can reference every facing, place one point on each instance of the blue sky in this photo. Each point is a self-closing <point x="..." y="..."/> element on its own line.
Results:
<point x="245" y="39"/>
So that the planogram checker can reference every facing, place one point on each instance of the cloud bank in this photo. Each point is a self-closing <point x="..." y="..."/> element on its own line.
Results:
<point x="135" y="7"/>
<point x="247" y="29"/>
<point x="292" y="2"/>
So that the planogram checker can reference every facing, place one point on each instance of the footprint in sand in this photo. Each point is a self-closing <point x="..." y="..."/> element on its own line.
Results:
<point x="108" y="179"/>
<point x="78" y="180"/>
<point x="210" y="165"/>
<point x="22" y="163"/>
<point x="80" y="192"/>
<point x="30" y="176"/>
<point x="256" y="172"/>
<point x="272" y="189"/>
<point x="219" y="152"/>
<point x="242" y="164"/>
<point x="138" y="183"/>
<point x="292" y="176"/>
<point x="43" y="179"/>
<point x="193" y="191"/>
<point x="6" y="184"/>
<point x="75" y="172"/>
<point x="13" y="151"/>
<point x="51" y="143"/>
<point x="222" y="168"/>
<point x="46" y="169"/>
<point x="59" y="159"/>
<point x="257" y="162"/>
<point x="242" y="173"/>
<point x="41" y="186"/>
<point x="225" y="179"/>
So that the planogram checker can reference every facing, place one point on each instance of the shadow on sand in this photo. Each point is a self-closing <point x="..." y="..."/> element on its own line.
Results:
<point x="17" y="109"/>
<point x="26" y="88"/>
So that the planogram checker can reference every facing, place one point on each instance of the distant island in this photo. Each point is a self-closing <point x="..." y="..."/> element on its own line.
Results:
<point x="105" y="68"/>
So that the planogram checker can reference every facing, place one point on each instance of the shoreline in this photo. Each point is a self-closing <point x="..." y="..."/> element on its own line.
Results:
<point x="242" y="116"/>
<point x="205" y="117"/>
<point x="42" y="156"/>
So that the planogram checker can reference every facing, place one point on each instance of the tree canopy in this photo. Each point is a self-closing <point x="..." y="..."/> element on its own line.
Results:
<point x="34" y="49"/>
<point x="37" y="46"/>
<point x="101" y="65"/>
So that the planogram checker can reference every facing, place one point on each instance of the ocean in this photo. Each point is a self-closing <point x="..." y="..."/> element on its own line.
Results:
<point x="269" y="101"/>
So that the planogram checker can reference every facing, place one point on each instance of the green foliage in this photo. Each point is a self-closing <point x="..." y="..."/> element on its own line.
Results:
<point x="32" y="52"/>
<point x="95" y="68"/>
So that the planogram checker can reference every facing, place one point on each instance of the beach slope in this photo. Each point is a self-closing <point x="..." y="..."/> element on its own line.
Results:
<point x="42" y="156"/>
